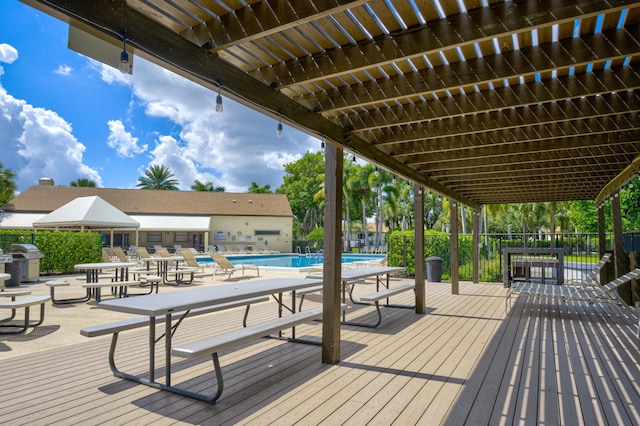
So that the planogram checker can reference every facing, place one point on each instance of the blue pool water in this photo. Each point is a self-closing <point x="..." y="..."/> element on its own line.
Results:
<point x="292" y="260"/>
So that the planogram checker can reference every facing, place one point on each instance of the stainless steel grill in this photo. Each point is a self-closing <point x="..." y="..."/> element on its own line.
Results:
<point x="28" y="257"/>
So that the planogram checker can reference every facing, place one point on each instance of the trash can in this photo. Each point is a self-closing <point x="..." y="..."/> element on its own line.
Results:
<point x="434" y="269"/>
<point x="14" y="269"/>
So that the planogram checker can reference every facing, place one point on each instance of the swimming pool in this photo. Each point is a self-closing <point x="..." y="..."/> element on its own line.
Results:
<point x="292" y="260"/>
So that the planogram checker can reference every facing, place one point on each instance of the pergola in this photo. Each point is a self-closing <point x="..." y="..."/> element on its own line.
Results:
<point x="482" y="101"/>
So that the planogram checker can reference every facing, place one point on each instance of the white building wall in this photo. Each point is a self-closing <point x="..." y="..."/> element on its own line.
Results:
<point x="242" y="232"/>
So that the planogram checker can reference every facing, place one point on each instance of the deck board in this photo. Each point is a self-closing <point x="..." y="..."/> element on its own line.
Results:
<point x="463" y="362"/>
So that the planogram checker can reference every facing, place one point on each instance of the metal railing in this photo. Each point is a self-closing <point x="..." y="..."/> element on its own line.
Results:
<point x="580" y="251"/>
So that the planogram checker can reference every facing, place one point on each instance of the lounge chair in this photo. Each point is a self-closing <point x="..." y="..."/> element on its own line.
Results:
<point x="607" y="294"/>
<point x="190" y="261"/>
<point x="223" y="264"/>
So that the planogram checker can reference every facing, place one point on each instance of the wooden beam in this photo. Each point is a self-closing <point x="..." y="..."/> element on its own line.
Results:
<point x="619" y="181"/>
<point x="332" y="269"/>
<point x="621" y="261"/>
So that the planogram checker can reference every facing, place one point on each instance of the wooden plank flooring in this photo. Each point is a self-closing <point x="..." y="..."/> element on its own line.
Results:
<point x="464" y="362"/>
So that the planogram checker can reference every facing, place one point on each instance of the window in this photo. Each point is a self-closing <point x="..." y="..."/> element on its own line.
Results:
<point x="155" y="237"/>
<point x="266" y="233"/>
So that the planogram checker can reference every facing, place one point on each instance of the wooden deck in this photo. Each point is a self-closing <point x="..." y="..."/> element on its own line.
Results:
<point x="463" y="362"/>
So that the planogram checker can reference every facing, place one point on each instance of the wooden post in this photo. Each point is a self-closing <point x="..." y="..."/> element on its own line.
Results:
<point x="602" y="246"/>
<point x="332" y="255"/>
<point x="418" y="213"/>
<point x="453" y="208"/>
<point x="476" y="249"/>
<point x="620" y="259"/>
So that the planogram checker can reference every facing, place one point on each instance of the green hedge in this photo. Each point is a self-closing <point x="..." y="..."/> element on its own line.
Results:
<point x="435" y="244"/>
<point x="61" y="250"/>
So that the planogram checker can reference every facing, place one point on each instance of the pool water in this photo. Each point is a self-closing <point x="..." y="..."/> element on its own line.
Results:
<point x="292" y="260"/>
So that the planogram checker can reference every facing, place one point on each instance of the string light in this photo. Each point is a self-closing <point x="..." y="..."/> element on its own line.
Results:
<point x="219" y="99"/>
<point x="279" y="128"/>
<point x="124" y="56"/>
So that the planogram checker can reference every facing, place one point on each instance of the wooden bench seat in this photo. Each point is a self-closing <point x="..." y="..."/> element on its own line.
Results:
<point x="25" y="303"/>
<point x="380" y="295"/>
<point x="214" y="344"/>
<point x="119" y="286"/>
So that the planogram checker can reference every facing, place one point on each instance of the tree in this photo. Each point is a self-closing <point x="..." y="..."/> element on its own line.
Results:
<point x="257" y="189"/>
<point x="83" y="182"/>
<point x="302" y="181"/>
<point x="7" y="184"/>
<point x="206" y="187"/>
<point x="158" y="177"/>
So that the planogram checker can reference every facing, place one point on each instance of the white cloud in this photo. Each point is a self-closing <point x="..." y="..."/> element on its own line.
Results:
<point x="64" y="70"/>
<point x="39" y="143"/>
<point x="125" y="144"/>
<point x="230" y="149"/>
<point x="8" y="54"/>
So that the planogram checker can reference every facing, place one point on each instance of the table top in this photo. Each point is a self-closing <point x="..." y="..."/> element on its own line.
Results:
<point x="4" y="277"/>
<point x="104" y="265"/>
<point x="165" y="303"/>
<point x="367" y="271"/>
<point x="159" y="258"/>
<point x="13" y="293"/>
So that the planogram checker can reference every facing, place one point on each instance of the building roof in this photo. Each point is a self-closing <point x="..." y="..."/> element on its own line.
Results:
<point x="45" y="199"/>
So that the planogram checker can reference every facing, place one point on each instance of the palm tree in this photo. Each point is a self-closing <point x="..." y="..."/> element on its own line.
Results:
<point x="83" y="182"/>
<point x="7" y="184"/>
<point x="206" y="187"/>
<point x="158" y="177"/>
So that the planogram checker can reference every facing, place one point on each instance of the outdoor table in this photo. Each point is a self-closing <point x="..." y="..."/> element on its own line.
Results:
<point x="165" y="304"/>
<point x="162" y="266"/>
<point x="93" y="272"/>
<point x="355" y="274"/>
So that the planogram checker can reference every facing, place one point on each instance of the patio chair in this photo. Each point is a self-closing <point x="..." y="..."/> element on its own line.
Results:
<point x="593" y="277"/>
<point x="606" y="294"/>
<point x="190" y="261"/>
<point x="225" y="265"/>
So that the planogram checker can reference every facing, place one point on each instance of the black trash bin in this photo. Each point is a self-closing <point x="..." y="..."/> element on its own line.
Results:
<point x="434" y="269"/>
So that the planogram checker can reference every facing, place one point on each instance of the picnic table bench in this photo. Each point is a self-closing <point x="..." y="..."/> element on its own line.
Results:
<point x="214" y="344"/>
<point x="119" y="288"/>
<point x="25" y="303"/>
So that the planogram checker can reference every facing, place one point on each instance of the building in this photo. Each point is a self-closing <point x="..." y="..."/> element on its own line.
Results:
<point x="238" y="221"/>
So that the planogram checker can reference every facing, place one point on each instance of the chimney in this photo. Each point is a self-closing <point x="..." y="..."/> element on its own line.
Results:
<point x="45" y="181"/>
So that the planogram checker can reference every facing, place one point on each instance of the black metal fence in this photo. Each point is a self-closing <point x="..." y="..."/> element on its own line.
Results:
<point x="580" y="251"/>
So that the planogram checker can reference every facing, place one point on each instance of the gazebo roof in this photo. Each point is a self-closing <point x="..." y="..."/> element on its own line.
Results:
<point x="483" y="101"/>
<point x="86" y="213"/>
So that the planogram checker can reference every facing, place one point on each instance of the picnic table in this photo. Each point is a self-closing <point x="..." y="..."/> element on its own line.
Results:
<point x="353" y="276"/>
<point x="165" y="305"/>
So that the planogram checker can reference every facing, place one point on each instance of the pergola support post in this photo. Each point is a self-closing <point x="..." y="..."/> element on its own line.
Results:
<point x="475" y="250"/>
<point x="332" y="255"/>
<point x="455" y="285"/>
<point x="619" y="257"/>
<point x="418" y="213"/>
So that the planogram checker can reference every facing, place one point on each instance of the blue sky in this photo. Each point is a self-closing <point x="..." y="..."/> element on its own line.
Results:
<point x="65" y="116"/>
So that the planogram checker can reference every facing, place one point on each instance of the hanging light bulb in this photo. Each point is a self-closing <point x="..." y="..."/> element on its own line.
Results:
<point x="322" y="143"/>
<point x="279" y="128"/>
<point x="393" y="178"/>
<point x="376" y="171"/>
<point x="219" y="99"/>
<point x="124" y="57"/>
<point x="353" y="159"/>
